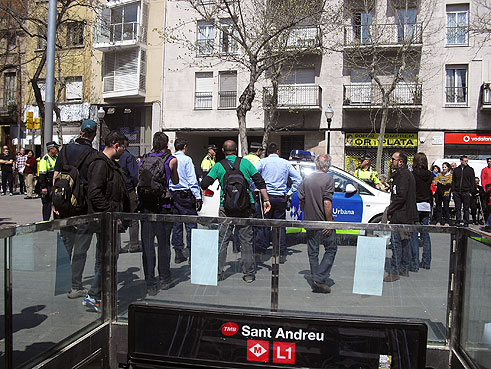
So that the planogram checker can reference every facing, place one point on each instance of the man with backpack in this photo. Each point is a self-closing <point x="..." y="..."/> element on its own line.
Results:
<point x="46" y="175"/>
<point x="106" y="193"/>
<point x="155" y="170"/>
<point x="236" y="200"/>
<point x="71" y="179"/>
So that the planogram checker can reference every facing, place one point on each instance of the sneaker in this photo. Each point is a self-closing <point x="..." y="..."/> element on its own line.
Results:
<point x="152" y="290"/>
<point x="11" y="194"/>
<point x="73" y="294"/>
<point x="282" y="259"/>
<point x="391" y="278"/>
<point x="318" y="287"/>
<point x="27" y="198"/>
<point x="179" y="258"/>
<point x="249" y="278"/>
<point x="92" y="303"/>
<point x="3" y="194"/>
<point x="221" y="276"/>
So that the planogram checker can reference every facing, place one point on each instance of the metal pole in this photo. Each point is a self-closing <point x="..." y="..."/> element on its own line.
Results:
<point x="275" y="269"/>
<point x="50" y="74"/>
<point x="328" y="136"/>
<point x="8" y="304"/>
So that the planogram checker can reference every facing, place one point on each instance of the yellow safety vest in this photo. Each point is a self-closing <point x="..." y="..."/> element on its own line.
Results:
<point x="367" y="175"/>
<point x="253" y="158"/>
<point x="47" y="164"/>
<point x="207" y="163"/>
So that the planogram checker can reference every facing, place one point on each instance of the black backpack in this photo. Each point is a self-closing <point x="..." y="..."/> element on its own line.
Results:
<point x="236" y="199"/>
<point x="68" y="194"/>
<point x="153" y="188"/>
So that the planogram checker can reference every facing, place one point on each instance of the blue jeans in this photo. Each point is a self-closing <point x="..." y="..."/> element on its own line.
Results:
<point x="400" y="253"/>
<point x="183" y="206"/>
<point x="321" y="271"/>
<point x="150" y="230"/>
<point x="424" y="219"/>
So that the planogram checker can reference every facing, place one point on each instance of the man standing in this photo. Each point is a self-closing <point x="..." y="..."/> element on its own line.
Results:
<point x="367" y="174"/>
<point x="129" y="166"/>
<point x="463" y="184"/>
<point x="315" y="195"/>
<point x="276" y="171"/>
<point x="46" y="175"/>
<point x="107" y="192"/>
<point x="209" y="160"/>
<point x="402" y="210"/>
<point x="20" y="165"/>
<point x="77" y="238"/>
<point x="249" y="173"/>
<point x="187" y="199"/>
<point x="255" y="152"/>
<point x="155" y="171"/>
<point x="486" y="184"/>
<point x="7" y="161"/>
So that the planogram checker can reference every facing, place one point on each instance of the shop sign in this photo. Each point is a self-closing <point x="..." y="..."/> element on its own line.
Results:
<point x="390" y="140"/>
<point x="467" y="139"/>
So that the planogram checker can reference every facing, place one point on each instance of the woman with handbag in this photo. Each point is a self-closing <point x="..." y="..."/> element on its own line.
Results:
<point x="442" y="194"/>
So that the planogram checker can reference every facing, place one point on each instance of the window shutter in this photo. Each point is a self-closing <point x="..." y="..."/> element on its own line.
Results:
<point x="228" y="81"/>
<point x="305" y="76"/>
<point x="204" y="82"/>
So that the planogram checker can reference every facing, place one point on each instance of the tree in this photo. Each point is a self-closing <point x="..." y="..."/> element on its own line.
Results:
<point x="383" y="52"/>
<point x="258" y="35"/>
<point x="480" y="20"/>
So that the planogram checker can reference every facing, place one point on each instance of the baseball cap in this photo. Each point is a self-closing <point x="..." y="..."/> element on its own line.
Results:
<point x="51" y="144"/>
<point x="88" y="124"/>
<point x="256" y="146"/>
<point x="212" y="147"/>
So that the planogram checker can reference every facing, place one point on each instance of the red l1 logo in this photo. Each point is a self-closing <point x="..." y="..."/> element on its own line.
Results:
<point x="258" y="351"/>
<point x="284" y="352"/>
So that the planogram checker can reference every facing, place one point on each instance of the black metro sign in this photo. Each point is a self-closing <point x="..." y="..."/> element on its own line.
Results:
<point x="176" y="337"/>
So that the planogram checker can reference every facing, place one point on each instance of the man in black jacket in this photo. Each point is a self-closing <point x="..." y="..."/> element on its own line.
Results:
<point x="107" y="193"/>
<point x="402" y="210"/>
<point x="463" y="184"/>
<point x="77" y="238"/>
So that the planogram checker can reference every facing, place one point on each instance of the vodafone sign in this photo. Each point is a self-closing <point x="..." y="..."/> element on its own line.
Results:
<point x="467" y="139"/>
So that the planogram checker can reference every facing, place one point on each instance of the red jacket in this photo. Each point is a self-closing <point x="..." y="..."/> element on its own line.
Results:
<point x="31" y="168"/>
<point x="486" y="181"/>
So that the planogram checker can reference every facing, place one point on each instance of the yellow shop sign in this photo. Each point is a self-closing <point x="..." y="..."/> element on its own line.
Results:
<point x="390" y="139"/>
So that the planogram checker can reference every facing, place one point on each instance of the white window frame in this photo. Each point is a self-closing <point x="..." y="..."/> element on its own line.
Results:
<point x="232" y="48"/>
<point x="225" y="97"/>
<point x="205" y="38"/>
<point x="74" y="88"/>
<point x="203" y="98"/>
<point x="72" y="29"/>
<point x="457" y="28"/>
<point x="455" y="92"/>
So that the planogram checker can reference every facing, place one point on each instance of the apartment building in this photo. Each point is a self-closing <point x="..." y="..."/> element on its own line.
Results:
<point x="440" y="105"/>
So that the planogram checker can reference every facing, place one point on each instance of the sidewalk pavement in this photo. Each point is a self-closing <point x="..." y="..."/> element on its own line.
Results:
<point x="15" y="210"/>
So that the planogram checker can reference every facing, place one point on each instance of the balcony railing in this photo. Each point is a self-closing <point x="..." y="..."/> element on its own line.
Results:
<point x="308" y="37"/>
<point x="486" y="96"/>
<point x="295" y="97"/>
<point x="456" y="95"/>
<point x="367" y="94"/>
<point x="227" y="99"/>
<point x="119" y="33"/>
<point x="383" y="34"/>
<point x="203" y="100"/>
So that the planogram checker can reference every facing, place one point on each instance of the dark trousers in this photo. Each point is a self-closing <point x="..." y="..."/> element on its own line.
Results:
<point x="161" y="231"/>
<point x="476" y="208"/>
<point x="184" y="204"/>
<point x="47" y="204"/>
<point x="462" y="199"/>
<point x="401" y="253"/>
<point x="7" y="178"/>
<point x="22" y="183"/>
<point x="134" y="227"/>
<point x="320" y="271"/>
<point x="96" y="286"/>
<point x="442" y="209"/>
<point x="77" y="241"/>
<point x="263" y="234"/>
<point x="487" y="213"/>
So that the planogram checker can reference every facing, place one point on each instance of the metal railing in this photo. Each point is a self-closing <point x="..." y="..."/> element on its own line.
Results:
<point x="305" y="37"/>
<point x="486" y="94"/>
<point x="120" y="32"/>
<point x="368" y="94"/>
<point x="227" y="99"/>
<point x="451" y="297"/>
<point x="295" y="96"/>
<point x="203" y="100"/>
<point x="456" y="95"/>
<point x="383" y="34"/>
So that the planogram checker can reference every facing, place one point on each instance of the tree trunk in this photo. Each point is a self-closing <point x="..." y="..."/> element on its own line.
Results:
<point x="245" y="99"/>
<point x="383" y="126"/>
<point x="272" y="113"/>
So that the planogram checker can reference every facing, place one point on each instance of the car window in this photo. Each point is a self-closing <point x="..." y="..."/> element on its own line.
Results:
<point x="341" y="181"/>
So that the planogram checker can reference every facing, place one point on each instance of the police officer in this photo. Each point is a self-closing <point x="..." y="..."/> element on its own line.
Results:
<point x="209" y="160"/>
<point x="367" y="174"/>
<point x="255" y="152"/>
<point x="46" y="173"/>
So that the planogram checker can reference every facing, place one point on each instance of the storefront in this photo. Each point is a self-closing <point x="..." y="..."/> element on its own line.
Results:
<point x="474" y="145"/>
<point x="357" y="145"/>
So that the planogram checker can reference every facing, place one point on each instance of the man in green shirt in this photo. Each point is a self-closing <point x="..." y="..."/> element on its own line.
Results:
<point x="245" y="232"/>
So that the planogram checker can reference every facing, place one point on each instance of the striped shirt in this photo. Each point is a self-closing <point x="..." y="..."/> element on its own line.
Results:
<point x="445" y="181"/>
<point x="20" y="162"/>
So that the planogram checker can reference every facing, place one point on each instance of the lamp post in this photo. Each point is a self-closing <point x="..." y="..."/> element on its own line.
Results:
<point x="329" y="113"/>
<point x="101" y="113"/>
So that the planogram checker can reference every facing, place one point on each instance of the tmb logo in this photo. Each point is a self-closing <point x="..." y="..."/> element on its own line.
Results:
<point x="258" y="351"/>
<point x="230" y="328"/>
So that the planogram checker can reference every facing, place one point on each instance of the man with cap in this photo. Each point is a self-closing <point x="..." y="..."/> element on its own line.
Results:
<point x="77" y="238"/>
<point x="255" y="152"/>
<point x="46" y="175"/>
<point x="209" y="160"/>
<point x="367" y="174"/>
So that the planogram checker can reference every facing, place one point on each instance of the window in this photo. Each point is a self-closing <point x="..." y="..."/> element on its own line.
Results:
<point x="204" y="90"/>
<point x="74" y="89"/>
<point x="124" y="23"/>
<point x="457" y="24"/>
<point x="291" y="142"/>
<point x="74" y="34"/>
<point x="456" y="84"/>
<point x="227" y="94"/>
<point x="406" y="25"/>
<point x="361" y="27"/>
<point x="298" y="76"/>
<point x="10" y="89"/>
<point x="227" y="43"/>
<point x="120" y="70"/>
<point x="205" y="40"/>
<point x="360" y="90"/>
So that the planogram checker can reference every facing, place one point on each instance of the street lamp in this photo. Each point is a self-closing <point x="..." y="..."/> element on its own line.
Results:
<point x="101" y="113"/>
<point x="329" y="113"/>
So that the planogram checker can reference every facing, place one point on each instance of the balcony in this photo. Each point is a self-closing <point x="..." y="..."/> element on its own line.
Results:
<point x="120" y="35"/>
<point x="383" y="35"/>
<point x="295" y="97"/>
<point x="227" y="99"/>
<point x="203" y="100"/>
<point x="304" y="38"/>
<point x="485" y="96"/>
<point x="367" y="95"/>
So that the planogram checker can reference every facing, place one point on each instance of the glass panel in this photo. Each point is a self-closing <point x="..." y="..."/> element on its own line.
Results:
<point x="117" y="15"/>
<point x="131" y="13"/>
<point x="42" y="279"/>
<point x="476" y="313"/>
<point x="422" y="295"/>
<point x="173" y="285"/>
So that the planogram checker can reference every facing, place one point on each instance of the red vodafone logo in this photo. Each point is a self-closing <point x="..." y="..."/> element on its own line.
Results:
<point x="229" y="329"/>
